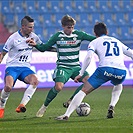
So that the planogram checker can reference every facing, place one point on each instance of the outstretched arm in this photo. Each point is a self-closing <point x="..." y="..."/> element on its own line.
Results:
<point x="127" y="51"/>
<point x="85" y="64"/>
<point x="42" y="47"/>
<point x="52" y="49"/>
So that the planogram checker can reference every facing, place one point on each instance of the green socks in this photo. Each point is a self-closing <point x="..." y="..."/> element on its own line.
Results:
<point x="51" y="95"/>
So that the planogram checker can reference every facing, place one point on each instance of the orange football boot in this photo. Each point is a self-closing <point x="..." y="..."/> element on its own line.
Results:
<point x="1" y="112"/>
<point x="21" y="108"/>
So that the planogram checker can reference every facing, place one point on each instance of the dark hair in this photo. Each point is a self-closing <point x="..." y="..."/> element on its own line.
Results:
<point x="100" y="29"/>
<point x="68" y="21"/>
<point x="26" y="19"/>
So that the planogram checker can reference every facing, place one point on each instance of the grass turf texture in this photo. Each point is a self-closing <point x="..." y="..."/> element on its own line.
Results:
<point x="96" y="122"/>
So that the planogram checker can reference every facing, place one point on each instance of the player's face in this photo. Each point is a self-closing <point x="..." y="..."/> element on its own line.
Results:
<point x="68" y="29"/>
<point x="27" y="29"/>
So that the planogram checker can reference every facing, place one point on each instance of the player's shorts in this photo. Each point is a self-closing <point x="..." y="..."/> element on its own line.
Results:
<point x="105" y="74"/>
<point x="18" y="72"/>
<point x="62" y="74"/>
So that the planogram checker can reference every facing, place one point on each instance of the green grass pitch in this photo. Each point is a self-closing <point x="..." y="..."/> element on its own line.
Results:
<point x="96" y="122"/>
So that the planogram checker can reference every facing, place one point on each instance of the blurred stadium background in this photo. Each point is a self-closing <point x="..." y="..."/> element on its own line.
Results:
<point x="117" y="14"/>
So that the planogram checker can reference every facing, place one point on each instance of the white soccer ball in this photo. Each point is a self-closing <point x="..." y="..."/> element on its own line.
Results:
<point x="83" y="109"/>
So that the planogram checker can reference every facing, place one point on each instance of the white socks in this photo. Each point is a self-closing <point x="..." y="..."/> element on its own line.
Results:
<point x="28" y="94"/>
<point x="26" y="98"/>
<point x="4" y="96"/>
<point x="116" y="92"/>
<point x="75" y="103"/>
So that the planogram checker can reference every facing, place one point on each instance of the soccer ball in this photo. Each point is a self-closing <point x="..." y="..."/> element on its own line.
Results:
<point x="83" y="109"/>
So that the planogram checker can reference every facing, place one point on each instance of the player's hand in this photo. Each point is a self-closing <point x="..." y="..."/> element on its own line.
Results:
<point x="77" y="78"/>
<point x="31" y="42"/>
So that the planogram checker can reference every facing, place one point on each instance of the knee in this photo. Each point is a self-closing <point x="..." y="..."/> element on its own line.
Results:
<point x="7" y="88"/>
<point x="85" y="79"/>
<point x="35" y="82"/>
<point x="58" y="87"/>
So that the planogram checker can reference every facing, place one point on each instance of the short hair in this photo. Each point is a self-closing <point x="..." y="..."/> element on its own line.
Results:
<point x="26" y="19"/>
<point x="68" y="21"/>
<point x="100" y="29"/>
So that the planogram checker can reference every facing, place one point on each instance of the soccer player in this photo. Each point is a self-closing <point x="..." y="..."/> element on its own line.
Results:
<point x="68" y="44"/>
<point x="111" y="68"/>
<point x="18" y="64"/>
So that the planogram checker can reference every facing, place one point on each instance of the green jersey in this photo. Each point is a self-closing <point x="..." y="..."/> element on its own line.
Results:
<point x="68" y="47"/>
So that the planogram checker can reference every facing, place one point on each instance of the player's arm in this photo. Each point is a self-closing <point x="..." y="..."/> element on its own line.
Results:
<point x="127" y="51"/>
<point x="52" y="49"/>
<point x="44" y="46"/>
<point x="85" y="64"/>
<point x="88" y="37"/>
<point x="2" y="54"/>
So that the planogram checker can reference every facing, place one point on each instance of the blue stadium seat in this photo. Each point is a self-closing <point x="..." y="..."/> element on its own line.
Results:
<point x="39" y="31"/>
<point x="47" y="20"/>
<point x="42" y="7"/>
<point x="113" y="12"/>
<point x="106" y="18"/>
<point x="95" y="18"/>
<point x="125" y="33"/>
<point x="83" y="19"/>
<point x="130" y="18"/>
<point x="115" y="7"/>
<point x="58" y="19"/>
<point x="80" y="6"/>
<point x="67" y="7"/>
<point x="103" y="7"/>
<point x="130" y="30"/>
<point x="112" y="31"/>
<point x="5" y="7"/>
<point x="125" y="5"/>
<point x="18" y="8"/>
<point x="120" y="19"/>
<point x="9" y="19"/>
<point x="92" y="6"/>
<point x="31" y="7"/>
<point x="51" y="31"/>
<point x="55" y="7"/>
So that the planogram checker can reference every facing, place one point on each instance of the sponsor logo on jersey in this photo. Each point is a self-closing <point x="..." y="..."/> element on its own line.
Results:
<point x="67" y="42"/>
<point x="29" y="48"/>
<point x="70" y="42"/>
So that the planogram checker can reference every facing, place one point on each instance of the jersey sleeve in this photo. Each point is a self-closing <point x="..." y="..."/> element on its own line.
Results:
<point x="92" y="46"/>
<point x="86" y="62"/>
<point x="38" y="41"/>
<point x="8" y="45"/>
<point x="46" y="46"/>
<point x="88" y="37"/>
<point x="127" y="51"/>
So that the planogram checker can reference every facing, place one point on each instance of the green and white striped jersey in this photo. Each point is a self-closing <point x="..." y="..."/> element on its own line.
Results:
<point x="68" y="47"/>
